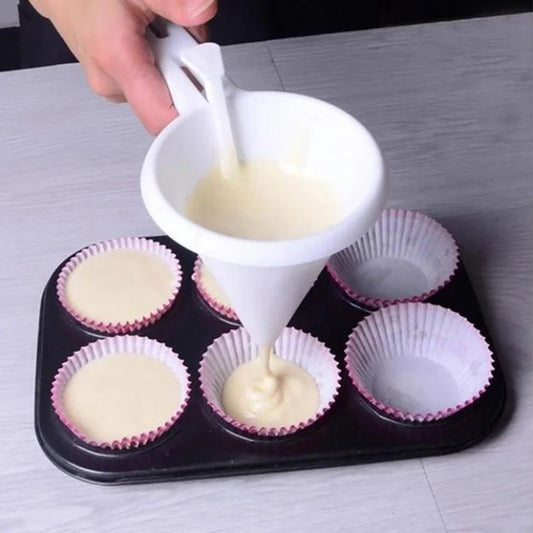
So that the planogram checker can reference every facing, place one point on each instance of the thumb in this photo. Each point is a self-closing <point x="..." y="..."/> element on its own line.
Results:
<point x="184" y="12"/>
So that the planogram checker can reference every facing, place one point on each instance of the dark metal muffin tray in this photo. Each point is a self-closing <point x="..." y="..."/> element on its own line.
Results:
<point x="201" y="445"/>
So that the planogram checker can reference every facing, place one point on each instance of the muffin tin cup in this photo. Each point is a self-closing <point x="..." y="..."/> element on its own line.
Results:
<point x="418" y="362"/>
<point x="127" y="243"/>
<point x="234" y="348"/>
<point x="405" y="257"/>
<point x="113" y="345"/>
<point x="216" y="305"/>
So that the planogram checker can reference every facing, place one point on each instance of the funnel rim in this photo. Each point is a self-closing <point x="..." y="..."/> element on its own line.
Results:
<point x="258" y="252"/>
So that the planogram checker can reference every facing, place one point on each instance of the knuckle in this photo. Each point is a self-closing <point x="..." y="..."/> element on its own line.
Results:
<point x="152" y="129"/>
<point x="99" y="84"/>
<point x="106" y="59"/>
<point x="152" y="124"/>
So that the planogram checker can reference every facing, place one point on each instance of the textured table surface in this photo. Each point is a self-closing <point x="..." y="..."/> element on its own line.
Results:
<point x="450" y="105"/>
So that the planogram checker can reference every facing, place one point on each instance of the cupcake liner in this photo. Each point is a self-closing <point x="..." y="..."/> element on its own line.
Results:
<point x="112" y="345"/>
<point x="418" y="362"/>
<point x="405" y="257"/>
<point x="218" y="306"/>
<point x="230" y="350"/>
<point x="125" y="243"/>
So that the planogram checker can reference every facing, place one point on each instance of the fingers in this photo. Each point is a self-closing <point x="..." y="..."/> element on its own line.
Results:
<point x="184" y="12"/>
<point x="103" y="85"/>
<point x="200" y="33"/>
<point x="130" y="62"/>
<point x="117" y="99"/>
<point x="140" y="82"/>
<point x="108" y="39"/>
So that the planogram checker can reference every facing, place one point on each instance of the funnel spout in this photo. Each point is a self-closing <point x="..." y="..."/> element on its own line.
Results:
<point x="264" y="298"/>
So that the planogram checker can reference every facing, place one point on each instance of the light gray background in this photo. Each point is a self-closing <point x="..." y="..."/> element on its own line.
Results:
<point x="450" y="104"/>
<point x="9" y="13"/>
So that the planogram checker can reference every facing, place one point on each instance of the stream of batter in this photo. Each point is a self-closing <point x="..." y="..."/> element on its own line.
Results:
<point x="264" y="202"/>
<point x="270" y="392"/>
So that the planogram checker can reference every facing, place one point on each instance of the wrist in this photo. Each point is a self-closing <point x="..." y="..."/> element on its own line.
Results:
<point x="45" y="8"/>
<point x="40" y="6"/>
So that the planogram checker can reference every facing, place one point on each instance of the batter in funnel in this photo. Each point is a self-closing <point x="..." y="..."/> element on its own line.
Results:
<point x="263" y="202"/>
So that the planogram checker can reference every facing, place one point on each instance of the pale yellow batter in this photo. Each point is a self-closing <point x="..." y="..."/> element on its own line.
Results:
<point x="121" y="395"/>
<point x="270" y="392"/>
<point x="119" y="286"/>
<point x="212" y="288"/>
<point x="262" y="202"/>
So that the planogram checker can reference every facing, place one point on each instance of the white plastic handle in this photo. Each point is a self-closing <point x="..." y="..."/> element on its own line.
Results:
<point x="185" y="95"/>
<point x="206" y="63"/>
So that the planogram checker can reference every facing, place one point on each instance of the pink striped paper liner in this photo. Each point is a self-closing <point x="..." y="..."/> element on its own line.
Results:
<point x="418" y="334"/>
<point x="112" y="345"/>
<point x="124" y="243"/>
<point x="219" y="307"/>
<point x="232" y="349"/>
<point x="398" y="234"/>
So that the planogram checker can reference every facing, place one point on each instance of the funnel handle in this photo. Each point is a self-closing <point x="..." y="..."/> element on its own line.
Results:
<point x="167" y="41"/>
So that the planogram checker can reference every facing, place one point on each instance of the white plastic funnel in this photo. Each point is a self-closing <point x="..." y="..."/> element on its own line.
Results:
<point x="265" y="281"/>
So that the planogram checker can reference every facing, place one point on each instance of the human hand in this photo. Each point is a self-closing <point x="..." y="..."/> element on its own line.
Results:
<point x="108" y="39"/>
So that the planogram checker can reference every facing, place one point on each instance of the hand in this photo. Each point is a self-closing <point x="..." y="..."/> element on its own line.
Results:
<point x="108" y="39"/>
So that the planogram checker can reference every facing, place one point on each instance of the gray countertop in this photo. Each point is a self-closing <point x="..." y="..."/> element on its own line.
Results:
<point x="450" y="105"/>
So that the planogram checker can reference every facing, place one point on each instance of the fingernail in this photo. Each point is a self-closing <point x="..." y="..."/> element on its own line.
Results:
<point x="201" y="7"/>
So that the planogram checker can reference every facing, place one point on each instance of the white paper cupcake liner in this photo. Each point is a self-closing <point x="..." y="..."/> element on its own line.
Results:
<point x="112" y="345"/>
<point x="125" y="243"/>
<point x="235" y="347"/>
<point x="210" y="299"/>
<point x="405" y="257"/>
<point x="418" y="362"/>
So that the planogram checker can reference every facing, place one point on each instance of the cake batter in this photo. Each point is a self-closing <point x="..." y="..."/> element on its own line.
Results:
<point x="121" y="395"/>
<point x="119" y="286"/>
<point x="270" y="392"/>
<point x="212" y="288"/>
<point x="262" y="202"/>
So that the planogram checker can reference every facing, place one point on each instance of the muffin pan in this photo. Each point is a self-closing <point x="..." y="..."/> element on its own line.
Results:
<point x="201" y="444"/>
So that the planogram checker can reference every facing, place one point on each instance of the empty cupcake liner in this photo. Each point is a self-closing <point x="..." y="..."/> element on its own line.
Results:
<point x="125" y="243"/>
<point x="210" y="299"/>
<point x="418" y="362"/>
<point x="405" y="257"/>
<point x="113" y="345"/>
<point x="232" y="349"/>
